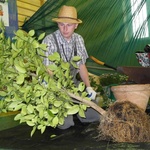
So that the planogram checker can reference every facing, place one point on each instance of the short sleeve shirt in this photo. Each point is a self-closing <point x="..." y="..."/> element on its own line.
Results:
<point x="66" y="48"/>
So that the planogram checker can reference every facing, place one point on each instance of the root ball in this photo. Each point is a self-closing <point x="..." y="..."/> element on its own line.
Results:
<point x="125" y="122"/>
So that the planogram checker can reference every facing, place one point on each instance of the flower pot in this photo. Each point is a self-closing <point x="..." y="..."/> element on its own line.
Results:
<point x="138" y="94"/>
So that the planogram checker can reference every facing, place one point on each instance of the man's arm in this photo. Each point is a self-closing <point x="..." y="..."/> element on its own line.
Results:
<point x="84" y="74"/>
<point x="85" y="78"/>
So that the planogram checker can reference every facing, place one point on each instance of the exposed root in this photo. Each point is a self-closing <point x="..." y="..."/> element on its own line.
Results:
<point x="125" y="122"/>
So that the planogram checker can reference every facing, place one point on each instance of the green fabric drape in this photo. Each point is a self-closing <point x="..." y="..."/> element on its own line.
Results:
<point x="106" y="28"/>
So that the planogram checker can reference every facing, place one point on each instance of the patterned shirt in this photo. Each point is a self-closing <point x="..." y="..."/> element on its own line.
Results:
<point x="66" y="48"/>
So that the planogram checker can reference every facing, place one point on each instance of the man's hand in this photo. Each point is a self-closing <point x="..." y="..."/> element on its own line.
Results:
<point x="91" y="93"/>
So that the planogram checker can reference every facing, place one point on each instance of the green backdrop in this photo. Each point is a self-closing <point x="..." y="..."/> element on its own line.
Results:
<point x="107" y="29"/>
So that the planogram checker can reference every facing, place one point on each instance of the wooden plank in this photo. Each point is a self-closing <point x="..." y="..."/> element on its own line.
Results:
<point x="32" y="2"/>
<point x="22" y="11"/>
<point x="42" y="2"/>
<point x="27" y="6"/>
<point x="20" y="23"/>
<point x="22" y="18"/>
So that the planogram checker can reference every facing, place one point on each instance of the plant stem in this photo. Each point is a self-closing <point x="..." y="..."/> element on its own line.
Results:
<point x="89" y="103"/>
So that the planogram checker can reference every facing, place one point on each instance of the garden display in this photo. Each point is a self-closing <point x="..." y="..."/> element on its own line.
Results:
<point x="43" y="100"/>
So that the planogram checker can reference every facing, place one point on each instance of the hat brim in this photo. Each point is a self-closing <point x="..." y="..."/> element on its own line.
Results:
<point x="67" y="20"/>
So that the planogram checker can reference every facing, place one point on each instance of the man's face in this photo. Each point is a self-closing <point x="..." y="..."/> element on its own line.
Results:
<point x="67" y="29"/>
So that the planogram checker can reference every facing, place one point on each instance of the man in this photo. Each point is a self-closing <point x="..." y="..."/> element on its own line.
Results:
<point x="69" y="44"/>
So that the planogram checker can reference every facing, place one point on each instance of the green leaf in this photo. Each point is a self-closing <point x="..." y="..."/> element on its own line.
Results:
<point x="73" y="110"/>
<point x="38" y="70"/>
<point x="43" y="129"/>
<point x="20" y="33"/>
<point x="35" y="44"/>
<point x="11" y="69"/>
<point x="81" y="113"/>
<point x="59" y="85"/>
<point x="84" y="107"/>
<point x="24" y="110"/>
<point x="19" y="43"/>
<point x="20" y="79"/>
<point x="2" y="93"/>
<point x="76" y="58"/>
<point x="37" y="94"/>
<point x="30" y="123"/>
<point x="54" y="57"/>
<point x="46" y="79"/>
<point x="65" y="65"/>
<point x="84" y="94"/>
<point x="33" y="131"/>
<point x="81" y="87"/>
<point x="67" y="73"/>
<point x="18" y="107"/>
<point x="67" y="105"/>
<point x="74" y="64"/>
<point x="2" y="60"/>
<point x="55" y="121"/>
<point x="30" y="108"/>
<point x="13" y="104"/>
<point x="19" y="68"/>
<point x="43" y="47"/>
<point x="58" y="103"/>
<point x="54" y="110"/>
<point x="52" y="67"/>
<point x="53" y="135"/>
<point x="38" y="87"/>
<point x="61" y="120"/>
<point x="40" y="52"/>
<point x="39" y="107"/>
<point x="31" y="33"/>
<point x="41" y="113"/>
<point x="14" y="46"/>
<point x="50" y="113"/>
<point x="34" y="80"/>
<point x="40" y="126"/>
<point x="18" y="117"/>
<point x="29" y="117"/>
<point x="14" y="55"/>
<point x="41" y="36"/>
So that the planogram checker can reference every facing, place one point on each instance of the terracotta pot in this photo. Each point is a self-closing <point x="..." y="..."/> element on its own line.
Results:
<point x="138" y="94"/>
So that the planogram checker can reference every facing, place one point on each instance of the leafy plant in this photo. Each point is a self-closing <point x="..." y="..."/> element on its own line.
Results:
<point x="105" y="81"/>
<point x="113" y="78"/>
<point x="25" y="85"/>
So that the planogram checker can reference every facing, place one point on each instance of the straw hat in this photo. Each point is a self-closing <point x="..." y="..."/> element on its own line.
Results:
<point x="67" y="14"/>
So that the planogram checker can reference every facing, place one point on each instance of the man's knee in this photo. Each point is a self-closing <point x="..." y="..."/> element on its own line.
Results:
<point x="68" y="122"/>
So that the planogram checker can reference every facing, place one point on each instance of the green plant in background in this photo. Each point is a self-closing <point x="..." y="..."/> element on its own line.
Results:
<point x="108" y="80"/>
<point x="102" y="97"/>
<point x="25" y="85"/>
<point x="103" y="86"/>
<point x="113" y="78"/>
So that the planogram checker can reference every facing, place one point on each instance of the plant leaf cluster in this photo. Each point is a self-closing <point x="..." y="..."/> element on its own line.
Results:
<point x="26" y="86"/>
<point x="113" y="78"/>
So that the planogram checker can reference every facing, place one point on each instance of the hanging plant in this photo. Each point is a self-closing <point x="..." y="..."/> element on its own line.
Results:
<point x="25" y="85"/>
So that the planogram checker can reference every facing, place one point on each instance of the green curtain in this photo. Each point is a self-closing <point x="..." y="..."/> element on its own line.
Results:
<point x="107" y="29"/>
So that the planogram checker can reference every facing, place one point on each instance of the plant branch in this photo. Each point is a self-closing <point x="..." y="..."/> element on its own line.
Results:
<point x="89" y="103"/>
